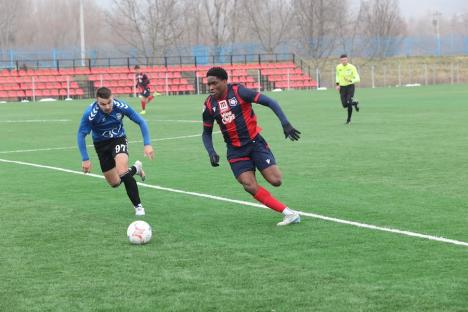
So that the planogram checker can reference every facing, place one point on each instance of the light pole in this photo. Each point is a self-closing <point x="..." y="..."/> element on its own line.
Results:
<point x="436" y="22"/>
<point x="82" y="35"/>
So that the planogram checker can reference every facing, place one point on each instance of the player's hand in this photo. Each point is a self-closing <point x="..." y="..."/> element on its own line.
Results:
<point x="290" y="132"/>
<point x="86" y="166"/>
<point x="214" y="160"/>
<point x="337" y="88"/>
<point x="148" y="151"/>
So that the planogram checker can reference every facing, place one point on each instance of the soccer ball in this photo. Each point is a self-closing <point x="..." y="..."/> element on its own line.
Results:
<point x="139" y="232"/>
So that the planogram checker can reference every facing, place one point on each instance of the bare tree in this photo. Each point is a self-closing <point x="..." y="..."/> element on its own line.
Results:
<point x="270" y="21"/>
<point x="149" y="26"/>
<point x="383" y="27"/>
<point x="218" y="18"/>
<point x="349" y="30"/>
<point x="317" y="22"/>
<point x="10" y="14"/>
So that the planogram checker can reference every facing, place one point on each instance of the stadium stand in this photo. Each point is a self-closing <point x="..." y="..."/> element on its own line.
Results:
<point x="39" y="83"/>
<point x="177" y="79"/>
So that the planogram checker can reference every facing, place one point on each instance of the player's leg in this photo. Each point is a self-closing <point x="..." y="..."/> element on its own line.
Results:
<point x="104" y="151"/>
<point x="112" y="177"/>
<point x="149" y="96"/>
<point x="343" y="97"/>
<point x="265" y="162"/>
<point x="126" y="174"/>
<point x="348" y="100"/>
<point x="354" y="102"/>
<point x="143" y="105"/>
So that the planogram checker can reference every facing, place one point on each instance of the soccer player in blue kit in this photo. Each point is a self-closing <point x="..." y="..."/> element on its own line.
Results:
<point x="230" y="105"/>
<point x="104" y="119"/>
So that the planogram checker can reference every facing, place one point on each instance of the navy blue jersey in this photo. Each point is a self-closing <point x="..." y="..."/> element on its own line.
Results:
<point x="108" y="126"/>
<point x="234" y="114"/>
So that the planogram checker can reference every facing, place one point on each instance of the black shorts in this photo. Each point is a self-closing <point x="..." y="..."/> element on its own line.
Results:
<point x="146" y="92"/>
<point x="108" y="149"/>
<point x="256" y="154"/>
<point x="346" y="95"/>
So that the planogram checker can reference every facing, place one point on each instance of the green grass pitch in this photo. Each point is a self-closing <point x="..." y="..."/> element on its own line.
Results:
<point x="402" y="164"/>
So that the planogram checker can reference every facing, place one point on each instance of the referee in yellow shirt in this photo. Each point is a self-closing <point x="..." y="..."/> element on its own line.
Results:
<point x="346" y="77"/>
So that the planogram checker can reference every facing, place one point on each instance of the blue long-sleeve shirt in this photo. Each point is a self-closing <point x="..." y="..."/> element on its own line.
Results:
<point x="107" y="126"/>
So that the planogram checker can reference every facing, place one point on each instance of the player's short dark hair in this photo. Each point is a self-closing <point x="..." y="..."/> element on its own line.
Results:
<point x="103" y="93"/>
<point x="218" y="72"/>
<point x="343" y="55"/>
<point x="137" y="67"/>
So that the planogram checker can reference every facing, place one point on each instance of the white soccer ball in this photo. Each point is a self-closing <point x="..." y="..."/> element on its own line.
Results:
<point x="139" y="232"/>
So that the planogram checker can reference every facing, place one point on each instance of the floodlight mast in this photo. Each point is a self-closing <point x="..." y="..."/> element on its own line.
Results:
<point x="82" y="35"/>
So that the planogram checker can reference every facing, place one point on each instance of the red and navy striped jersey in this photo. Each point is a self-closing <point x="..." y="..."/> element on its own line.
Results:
<point x="234" y="115"/>
<point x="142" y="81"/>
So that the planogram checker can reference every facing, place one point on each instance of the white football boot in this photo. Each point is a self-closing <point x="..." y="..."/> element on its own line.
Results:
<point x="290" y="219"/>
<point x="139" y="210"/>
<point x="139" y="170"/>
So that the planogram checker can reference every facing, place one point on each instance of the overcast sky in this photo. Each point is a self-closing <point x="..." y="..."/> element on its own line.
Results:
<point x="416" y="8"/>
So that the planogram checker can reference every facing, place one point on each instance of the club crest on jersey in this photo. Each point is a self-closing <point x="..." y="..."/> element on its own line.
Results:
<point x="233" y="102"/>
<point x="119" y="116"/>
<point x="223" y="106"/>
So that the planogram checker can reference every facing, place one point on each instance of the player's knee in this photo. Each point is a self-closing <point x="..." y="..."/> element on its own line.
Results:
<point x="115" y="185"/>
<point x="249" y="187"/>
<point x="276" y="181"/>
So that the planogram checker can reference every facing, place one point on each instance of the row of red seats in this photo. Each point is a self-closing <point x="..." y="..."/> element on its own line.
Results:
<point x="169" y="89"/>
<point x="130" y="83"/>
<point x="238" y="72"/>
<point x="235" y="79"/>
<point x="125" y="69"/>
<point x="41" y="93"/>
<point x="296" y="84"/>
<point x="286" y="77"/>
<point x="132" y="76"/>
<point x="281" y="71"/>
<point x="39" y="85"/>
<point x="35" y="79"/>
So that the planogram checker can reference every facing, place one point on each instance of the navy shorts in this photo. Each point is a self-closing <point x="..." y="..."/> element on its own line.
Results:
<point x="256" y="154"/>
<point x="108" y="149"/>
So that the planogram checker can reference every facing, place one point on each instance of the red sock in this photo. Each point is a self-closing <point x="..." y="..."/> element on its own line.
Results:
<point x="265" y="198"/>
<point x="150" y="98"/>
<point x="143" y="104"/>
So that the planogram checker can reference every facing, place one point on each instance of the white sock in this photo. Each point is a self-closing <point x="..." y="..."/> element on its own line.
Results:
<point x="287" y="211"/>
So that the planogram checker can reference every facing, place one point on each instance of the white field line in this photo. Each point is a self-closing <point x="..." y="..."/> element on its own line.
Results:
<point x="90" y="145"/>
<point x="34" y="120"/>
<point x="245" y="203"/>
<point x="175" y="120"/>
<point x="68" y="120"/>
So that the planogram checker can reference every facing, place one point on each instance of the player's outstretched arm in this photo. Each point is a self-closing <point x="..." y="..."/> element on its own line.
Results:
<point x="289" y="131"/>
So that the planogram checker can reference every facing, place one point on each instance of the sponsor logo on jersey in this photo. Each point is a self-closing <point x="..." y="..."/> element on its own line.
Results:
<point x="112" y="132"/>
<point x="223" y="106"/>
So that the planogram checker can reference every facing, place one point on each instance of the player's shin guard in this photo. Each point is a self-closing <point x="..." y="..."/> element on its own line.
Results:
<point x="131" y="187"/>
<point x="265" y="198"/>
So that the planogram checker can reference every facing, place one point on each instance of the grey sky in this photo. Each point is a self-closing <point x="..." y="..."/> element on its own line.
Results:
<point x="417" y="8"/>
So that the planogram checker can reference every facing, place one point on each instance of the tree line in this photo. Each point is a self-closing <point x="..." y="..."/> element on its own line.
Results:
<point x="316" y="29"/>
